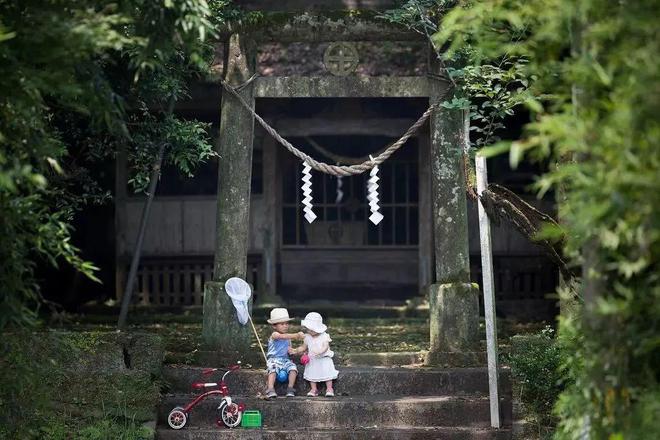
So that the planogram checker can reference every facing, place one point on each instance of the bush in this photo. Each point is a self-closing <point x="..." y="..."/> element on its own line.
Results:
<point x="535" y="362"/>
<point x="26" y="367"/>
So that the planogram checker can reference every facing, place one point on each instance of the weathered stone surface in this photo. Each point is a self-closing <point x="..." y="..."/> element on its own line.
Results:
<point x="454" y="304"/>
<point x="309" y="5"/>
<point x="454" y="312"/>
<point x="387" y="359"/>
<point x="89" y="352"/>
<point x="221" y="359"/>
<point x="222" y="333"/>
<point x="109" y="352"/>
<point x="343" y="87"/>
<point x="143" y="352"/>
<point x="234" y="165"/>
<point x="352" y="412"/>
<point x="453" y="359"/>
<point x="452" y="263"/>
<point x="364" y="433"/>
<point x="446" y="359"/>
<point x="320" y="27"/>
<point x="90" y="374"/>
<point x="355" y="381"/>
<point x="133" y="394"/>
<point x="221" y="330"/>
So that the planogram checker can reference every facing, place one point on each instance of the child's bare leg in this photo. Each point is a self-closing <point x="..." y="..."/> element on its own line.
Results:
<point x="270" y="382"/>
<point x="293" y="374"/>
<point x="328" y="386"/>
<point x="312" y="387"/>
<point x="270" y="386"/>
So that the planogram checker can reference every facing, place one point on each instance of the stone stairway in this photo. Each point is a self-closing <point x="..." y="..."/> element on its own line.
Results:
<point x="371" y="403"/>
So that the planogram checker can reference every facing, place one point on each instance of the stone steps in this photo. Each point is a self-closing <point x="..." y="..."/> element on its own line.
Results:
<point x="353" y="381"/>
<point x="371" y="403"/>
<point x="367" y="433"/>
<point x="349" y="412"/>
<point x="384" y="359"/>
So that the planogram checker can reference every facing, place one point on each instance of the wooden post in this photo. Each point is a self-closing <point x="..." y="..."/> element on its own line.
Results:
<point x="153" y="183"/>
<point x="121" y="180"/>
<point x="271" y="231"/>
<point x="221" y="331"/>
<point x="425" y="214"/>
<point x="128" y="291"/>
<point x="489" y="296"/>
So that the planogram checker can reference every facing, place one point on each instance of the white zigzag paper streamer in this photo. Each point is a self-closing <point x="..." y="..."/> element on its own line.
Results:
<point x="372" y="195"/>
<point x="307" y="192"/>
<point x="340" y="193"/>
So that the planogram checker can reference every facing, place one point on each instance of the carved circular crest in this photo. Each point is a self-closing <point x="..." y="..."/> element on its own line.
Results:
<point x="341" y="58"/>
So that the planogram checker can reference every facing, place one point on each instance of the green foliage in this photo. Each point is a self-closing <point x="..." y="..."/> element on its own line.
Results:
<point x="113" y="428"/>
<point x="491" y="90"/>
<point x="23" y="391"/>
<point x="535" y="362"/>
<point x="592" y="74"/>
<point x="187" y="142"/>
<point x="77" y="77"/>
<point x="108" y="427"/>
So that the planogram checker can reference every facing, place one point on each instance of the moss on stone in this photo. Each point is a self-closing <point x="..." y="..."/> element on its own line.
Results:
<point x="56" y="381"/>
<point x="108" y="351"/>
<point x="143" y="351"/>
<point x="314" y="26"/>
<point x="131" y="394"/>
<point x="85" y="341"/>
<point x="254" y="20"/>
<point x="222" y="333"/>
<point x="454" y="317"/>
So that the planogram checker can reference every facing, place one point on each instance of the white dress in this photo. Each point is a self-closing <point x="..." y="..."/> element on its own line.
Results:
<point x="320" y="367"/>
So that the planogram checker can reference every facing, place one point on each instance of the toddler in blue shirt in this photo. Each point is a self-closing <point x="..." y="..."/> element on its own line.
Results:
<point x="279" y="346"/>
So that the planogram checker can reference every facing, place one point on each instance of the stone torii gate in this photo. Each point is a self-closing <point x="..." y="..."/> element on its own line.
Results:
<point x="454" y="310"/>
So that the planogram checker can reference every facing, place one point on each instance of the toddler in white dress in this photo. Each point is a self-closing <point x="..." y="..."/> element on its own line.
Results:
<point x="320" y="368"/>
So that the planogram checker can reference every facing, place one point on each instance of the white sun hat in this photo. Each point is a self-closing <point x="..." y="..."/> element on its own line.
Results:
<point x="314" y="322"/>
<point x="278" y="315"/>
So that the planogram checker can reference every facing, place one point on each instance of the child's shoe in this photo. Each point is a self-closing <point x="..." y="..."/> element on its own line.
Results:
<point x="271" y="394"/>
<point x="290" y="392"/>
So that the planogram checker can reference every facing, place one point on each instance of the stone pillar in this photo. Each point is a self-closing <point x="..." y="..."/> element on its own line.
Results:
<point x="453" y="301"/>
<point x="221" y="332"/>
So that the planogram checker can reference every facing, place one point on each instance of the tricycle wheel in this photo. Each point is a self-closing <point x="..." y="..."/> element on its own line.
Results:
<point x="230" y="415"/>
<point x="177" y="418"/>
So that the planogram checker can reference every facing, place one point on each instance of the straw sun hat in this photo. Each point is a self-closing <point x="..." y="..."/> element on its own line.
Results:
<point x="278" y="315"/>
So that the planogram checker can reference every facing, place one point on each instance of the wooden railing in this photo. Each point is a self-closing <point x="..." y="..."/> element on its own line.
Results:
<point x="519" y="277"/>
<point x="180" y="281"/>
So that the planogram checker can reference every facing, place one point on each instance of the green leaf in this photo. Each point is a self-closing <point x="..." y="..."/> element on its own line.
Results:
<point x="494" y="150"/>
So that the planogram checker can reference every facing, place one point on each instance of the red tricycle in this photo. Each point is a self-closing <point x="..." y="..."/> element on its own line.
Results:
<point x="230" y="412"/>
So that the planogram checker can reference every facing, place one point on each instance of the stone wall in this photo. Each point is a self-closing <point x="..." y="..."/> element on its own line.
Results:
<point x="109" y="372"/>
